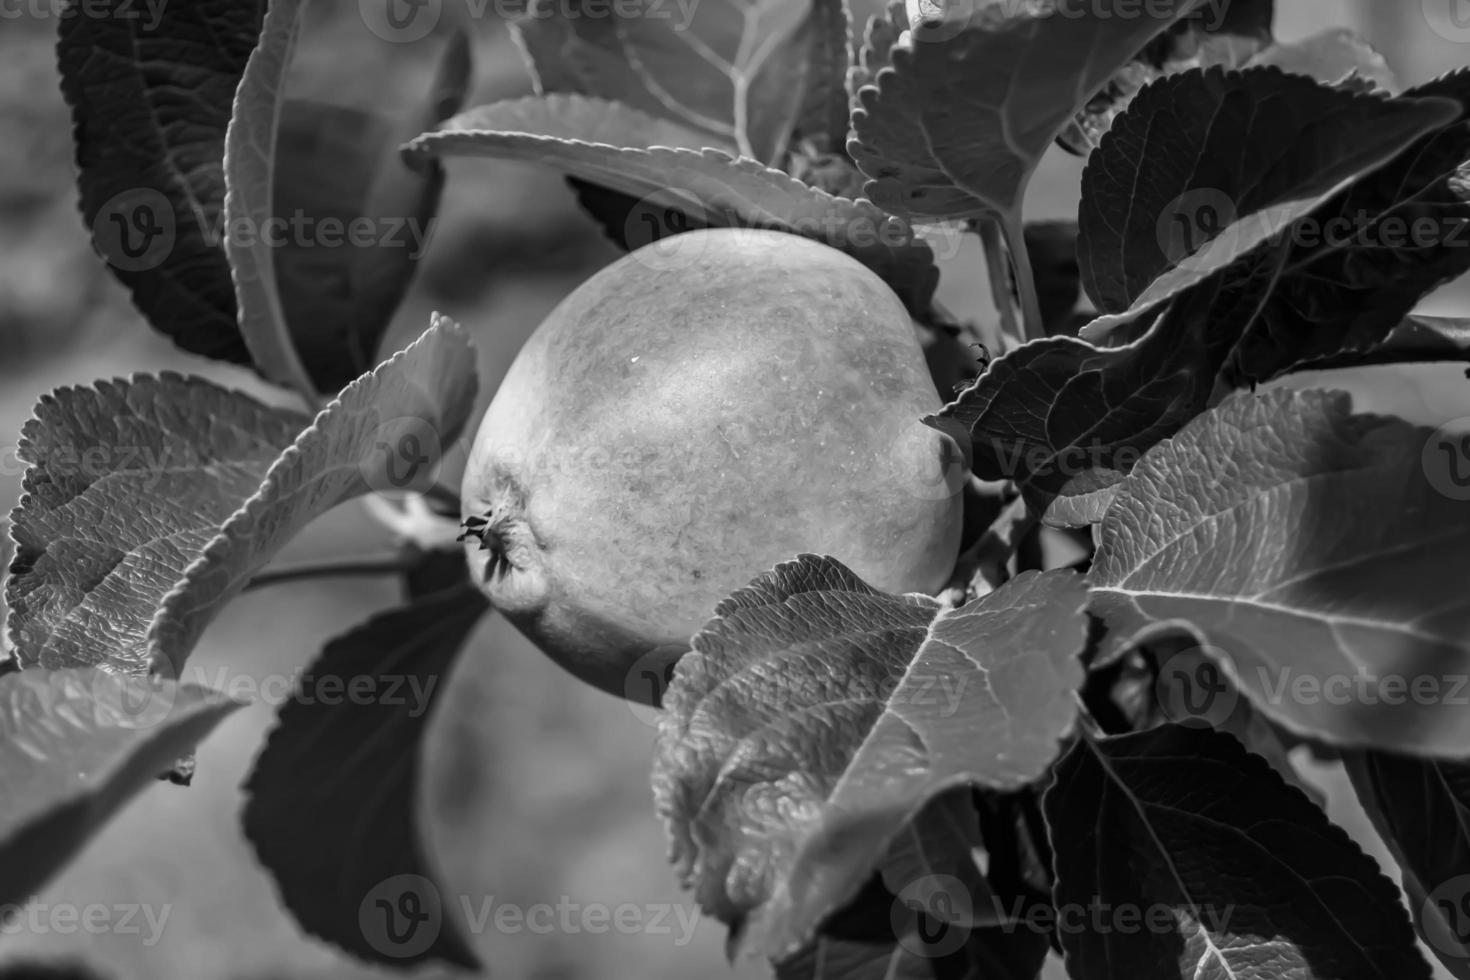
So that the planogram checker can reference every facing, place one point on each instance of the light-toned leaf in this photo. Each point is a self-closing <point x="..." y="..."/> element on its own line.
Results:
<point x="571" y="133"/>
<point x="735" y="69"/>
<point x="250" y="151"/>
<point x="815" y="717"/>
<point x="1333" y="57"/>
<point x="75" y="746"/>
<point x="1315" y="555"/>
<point x="126" y="482"/>
<point x="958" y="124"/>
<point x="403" y="412"/>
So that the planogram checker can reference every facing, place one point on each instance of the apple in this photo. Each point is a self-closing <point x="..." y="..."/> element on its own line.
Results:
<point x="697" y="412"/>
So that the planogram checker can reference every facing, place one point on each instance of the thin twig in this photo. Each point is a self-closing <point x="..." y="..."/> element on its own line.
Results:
<point x="1033" y="324"/>
<point x="1000" y="285"/>
<point x="330" y="569"/>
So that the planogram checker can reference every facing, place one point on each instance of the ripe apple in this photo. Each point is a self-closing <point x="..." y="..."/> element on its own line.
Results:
<point x="694" y="414"/>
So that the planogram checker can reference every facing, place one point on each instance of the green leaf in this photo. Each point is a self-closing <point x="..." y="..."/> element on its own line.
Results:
<point x="150" y="101"/>
<point x="339" y="168"/>
<point x="1314" y="555"/>
<point x="1221" y="869"/>
<point x="815" y="717"/>
<point x="733" y="69"/>
<point x="385" y="432"/>
<point x="1182" y="186"/>
<point x="1334" y="57"/>
<point x="957" y="125"/>
<point x="330" y="806"/>
<point x="570" y="133"/>
<point x="250" y="152"/>
<point x="75" y="746"/>
<point x="1205" y="39"/>
<point x="1421" y="810"/>
<point x="126" y="482"/>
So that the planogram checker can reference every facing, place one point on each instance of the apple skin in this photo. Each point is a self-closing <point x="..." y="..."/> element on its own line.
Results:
<point x="694" y="414"/>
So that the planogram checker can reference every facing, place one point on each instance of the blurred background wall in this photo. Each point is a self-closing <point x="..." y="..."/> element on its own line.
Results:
<point x="548" y="780"/>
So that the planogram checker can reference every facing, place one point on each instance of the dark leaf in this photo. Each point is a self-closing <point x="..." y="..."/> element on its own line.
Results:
<point x="1179" y="854"/>
<point x="823" y="120"/>
<point x="1225" y="36"/>
<point x="75" y="746"/>
<point x="331" y="801"/>
<point x="126" y="483"/>
<point x="340" y="166"/>
<point x="1314" y="555"/>
<point x="1182" y="188"/>
<point x="1421" y="809"/>
<point x="816" y="716"/>
<point x="1067" y="420"/>
<point x="1408" y="232"/>
<point x="151" y="98"/>
<point x="957" y="125"/>
<point x="1418" y="340"/>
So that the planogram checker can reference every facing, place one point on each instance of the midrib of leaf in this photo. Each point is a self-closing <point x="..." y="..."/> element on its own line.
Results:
<point x="1141" y="812"/>
<point x="1234" y="510"/>
<point x="669" y="101"/>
